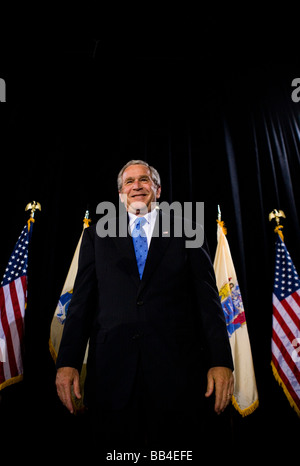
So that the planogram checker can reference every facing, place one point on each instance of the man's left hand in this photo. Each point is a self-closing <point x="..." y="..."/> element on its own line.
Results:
<point x="221" y="380"/>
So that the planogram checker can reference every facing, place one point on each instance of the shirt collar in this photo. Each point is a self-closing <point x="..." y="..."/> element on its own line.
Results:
<point x="150" y="217"/>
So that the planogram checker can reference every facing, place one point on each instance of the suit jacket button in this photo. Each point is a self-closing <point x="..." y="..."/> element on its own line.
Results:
<point x="140" y="303"/>
<point x="136" y="336"/>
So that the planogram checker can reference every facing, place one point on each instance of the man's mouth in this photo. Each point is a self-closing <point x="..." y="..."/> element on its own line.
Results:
<point x="139" y="195"/>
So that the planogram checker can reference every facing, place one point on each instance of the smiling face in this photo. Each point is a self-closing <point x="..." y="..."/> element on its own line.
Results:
<point x="138" y="189"/>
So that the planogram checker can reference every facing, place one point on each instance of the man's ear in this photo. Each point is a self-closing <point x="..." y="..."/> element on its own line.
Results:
<point x="158" y="191"/>
<point x="121" y="197"/>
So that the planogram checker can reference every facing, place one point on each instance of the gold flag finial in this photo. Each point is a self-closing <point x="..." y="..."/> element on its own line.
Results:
<point x="87" y="219"/>
<point x="33" y="206"/>
<point x="277" y="214"/>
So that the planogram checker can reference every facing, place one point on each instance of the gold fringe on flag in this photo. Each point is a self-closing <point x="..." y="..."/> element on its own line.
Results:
<point x="286" y="392"/>
<point x="11" y="381"/>
<point x="247" y="411"/>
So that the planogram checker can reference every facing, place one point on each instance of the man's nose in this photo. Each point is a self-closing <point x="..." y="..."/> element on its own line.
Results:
<point x="137" y="185"/>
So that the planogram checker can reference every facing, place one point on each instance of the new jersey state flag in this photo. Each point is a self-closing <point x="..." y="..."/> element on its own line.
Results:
<point x="245" y="396"/>
<point x="60" y="314"/>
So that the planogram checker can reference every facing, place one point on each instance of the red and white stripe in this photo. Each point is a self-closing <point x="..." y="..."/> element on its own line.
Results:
<point x="13" y="298"/>
<point x="285" y="344"/>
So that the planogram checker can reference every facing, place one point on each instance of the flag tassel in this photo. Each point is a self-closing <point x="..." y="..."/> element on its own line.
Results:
<point x="222" y="225"/>
<point x="278" y="230"/>
<point x="220" y="222"/>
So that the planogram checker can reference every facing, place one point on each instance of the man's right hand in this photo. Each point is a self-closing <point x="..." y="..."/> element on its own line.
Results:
<point x="66" y="378"/>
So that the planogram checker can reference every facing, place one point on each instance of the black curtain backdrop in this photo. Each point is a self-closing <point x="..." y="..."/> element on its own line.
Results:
<point x="220" y="127"/>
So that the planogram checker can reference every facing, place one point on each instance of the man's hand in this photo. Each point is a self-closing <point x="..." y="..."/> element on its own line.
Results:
<point x="221" y="380"/>
<point x="66" y="378"/>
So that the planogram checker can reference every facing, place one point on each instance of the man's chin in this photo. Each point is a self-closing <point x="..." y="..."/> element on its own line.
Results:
<point x="138" y="208"/>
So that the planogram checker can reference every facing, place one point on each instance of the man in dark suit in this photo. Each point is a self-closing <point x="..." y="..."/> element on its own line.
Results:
<point x="156" y="326"/>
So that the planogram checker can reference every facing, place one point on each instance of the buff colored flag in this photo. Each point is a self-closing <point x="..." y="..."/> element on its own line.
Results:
<point x="245" y="396"/>
<point x="60" y="315"/>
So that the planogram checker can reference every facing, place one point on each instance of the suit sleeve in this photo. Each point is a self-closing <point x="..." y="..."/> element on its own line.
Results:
<point x="211" y="313"/>
<point x="80" y="313"/>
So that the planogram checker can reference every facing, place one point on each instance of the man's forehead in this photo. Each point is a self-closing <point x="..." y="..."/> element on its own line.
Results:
<point x="136" y="170"/>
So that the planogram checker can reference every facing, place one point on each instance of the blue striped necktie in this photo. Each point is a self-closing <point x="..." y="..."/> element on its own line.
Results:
<point x="140" y="244"/>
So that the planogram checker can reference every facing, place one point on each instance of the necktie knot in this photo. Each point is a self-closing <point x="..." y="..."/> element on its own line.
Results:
<point x="138" y="227"/>
<point x="140" y="222"/>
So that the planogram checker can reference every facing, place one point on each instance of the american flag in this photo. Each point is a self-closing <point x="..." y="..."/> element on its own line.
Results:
<point x="13" y="299"/>
<point x="286" y="326"/>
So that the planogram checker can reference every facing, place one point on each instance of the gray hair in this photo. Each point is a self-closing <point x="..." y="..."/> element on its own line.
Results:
<point x="153" y="172"/>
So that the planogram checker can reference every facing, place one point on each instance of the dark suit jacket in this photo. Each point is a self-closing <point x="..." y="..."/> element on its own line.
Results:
<point x="169" y="322"/>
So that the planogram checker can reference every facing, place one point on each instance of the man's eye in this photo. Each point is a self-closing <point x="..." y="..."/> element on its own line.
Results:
<point x="128" y="181"/>
<point x="145" y="179"/>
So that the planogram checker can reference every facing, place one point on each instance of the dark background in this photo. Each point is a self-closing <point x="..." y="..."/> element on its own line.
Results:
<point x="206" y="99"/>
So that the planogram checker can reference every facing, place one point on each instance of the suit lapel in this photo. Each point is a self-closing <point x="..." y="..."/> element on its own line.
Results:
<point x="128" y="259"/>
<point x="159" y="242"/>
